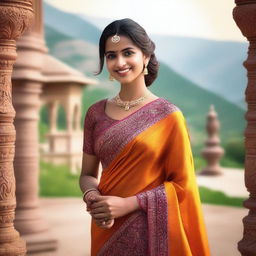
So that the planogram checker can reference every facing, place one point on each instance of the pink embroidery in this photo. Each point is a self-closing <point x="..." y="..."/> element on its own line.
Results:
<point x="110" y="136"/>
<point x="154" y="203"/>
<point x="145" y="232"/>
<point x="130" y="239"/>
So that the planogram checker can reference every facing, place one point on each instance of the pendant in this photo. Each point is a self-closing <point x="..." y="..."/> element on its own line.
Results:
<point x="126" y="107"/>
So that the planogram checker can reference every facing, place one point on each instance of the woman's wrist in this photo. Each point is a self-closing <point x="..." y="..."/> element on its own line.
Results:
<point x="132" y="204"/>
<point x="89" y="193"/>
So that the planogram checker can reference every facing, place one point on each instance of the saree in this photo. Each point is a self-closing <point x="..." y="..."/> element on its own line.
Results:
<point x="148" y="155"/>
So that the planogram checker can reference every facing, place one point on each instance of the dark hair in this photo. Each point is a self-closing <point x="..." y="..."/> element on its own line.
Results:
<point x="131" y="29"/>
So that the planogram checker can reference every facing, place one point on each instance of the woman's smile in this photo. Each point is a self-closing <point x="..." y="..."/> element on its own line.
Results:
<point x="123" y="72"/>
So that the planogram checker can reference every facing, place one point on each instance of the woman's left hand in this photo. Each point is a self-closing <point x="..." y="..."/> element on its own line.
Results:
<point x="111" y="207"/>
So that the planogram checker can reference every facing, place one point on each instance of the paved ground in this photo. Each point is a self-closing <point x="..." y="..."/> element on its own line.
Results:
<point x="231" y="182"/>
<point x="70" y="223"/>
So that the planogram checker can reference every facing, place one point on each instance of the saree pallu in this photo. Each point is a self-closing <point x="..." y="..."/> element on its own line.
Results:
<point x="155" y="165"/>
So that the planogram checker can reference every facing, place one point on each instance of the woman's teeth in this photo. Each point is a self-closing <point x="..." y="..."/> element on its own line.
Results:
<point x="123" y="71"/>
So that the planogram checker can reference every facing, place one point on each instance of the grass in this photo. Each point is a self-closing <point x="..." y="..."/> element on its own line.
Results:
<point x="57" y="181"/>
<point x="226" y="161"/>
<point x="219" y="198"/>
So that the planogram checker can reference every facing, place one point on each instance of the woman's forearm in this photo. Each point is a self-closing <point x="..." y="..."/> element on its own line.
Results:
<point x="87" y="182"/>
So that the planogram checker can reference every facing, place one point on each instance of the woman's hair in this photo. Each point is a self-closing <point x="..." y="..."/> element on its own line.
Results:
<point x="138" y="35"/>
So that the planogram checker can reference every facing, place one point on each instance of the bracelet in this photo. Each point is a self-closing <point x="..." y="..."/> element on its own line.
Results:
<point x="89" y="190"/>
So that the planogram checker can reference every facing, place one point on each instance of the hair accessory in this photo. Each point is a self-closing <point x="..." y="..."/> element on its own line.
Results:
<point x="145" y="71"/>
<point x="111" y="78"/>
<point x="115" y="39"/>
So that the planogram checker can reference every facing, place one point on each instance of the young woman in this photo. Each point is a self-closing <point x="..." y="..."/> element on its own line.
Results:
<point x="147" y="200"/>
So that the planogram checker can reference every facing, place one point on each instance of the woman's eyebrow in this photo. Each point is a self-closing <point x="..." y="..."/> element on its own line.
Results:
<point x="128" y="48"/>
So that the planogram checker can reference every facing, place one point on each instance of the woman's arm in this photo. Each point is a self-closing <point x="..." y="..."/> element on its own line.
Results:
<point x="89" y="173"/>
<point x="88" y="181"/>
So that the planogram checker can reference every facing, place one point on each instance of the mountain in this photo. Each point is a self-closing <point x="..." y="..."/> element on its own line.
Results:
<point x="70" y="25"/>
<point x="213" y="65"/>
<point x="193" y="100"/>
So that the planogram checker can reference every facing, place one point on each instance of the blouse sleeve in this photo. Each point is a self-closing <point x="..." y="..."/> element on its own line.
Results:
<point x="88" y="143"/>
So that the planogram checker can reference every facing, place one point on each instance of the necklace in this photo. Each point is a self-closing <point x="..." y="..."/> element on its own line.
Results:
<point x="128" y="104"/>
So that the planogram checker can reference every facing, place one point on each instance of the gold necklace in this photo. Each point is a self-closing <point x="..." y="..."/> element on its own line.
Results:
<point x="128" y="104"/>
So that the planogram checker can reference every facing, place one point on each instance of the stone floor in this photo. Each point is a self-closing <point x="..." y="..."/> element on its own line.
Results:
<point x="70" y="223"/>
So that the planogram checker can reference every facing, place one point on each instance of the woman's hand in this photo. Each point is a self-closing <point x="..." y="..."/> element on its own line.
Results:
<point x="90" y="198"/>
<point x="105" y="224"/>
<point x="111" y="207"/>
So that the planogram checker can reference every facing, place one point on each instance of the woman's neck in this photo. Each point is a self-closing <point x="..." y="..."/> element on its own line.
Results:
<point x="133" y="91"/>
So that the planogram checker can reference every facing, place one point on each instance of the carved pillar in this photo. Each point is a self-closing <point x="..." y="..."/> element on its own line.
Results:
<point x="15" y="16"/>
<point x="212" y="151"/>
<point x="27" y="87"/>
<point x="245" y="17"/>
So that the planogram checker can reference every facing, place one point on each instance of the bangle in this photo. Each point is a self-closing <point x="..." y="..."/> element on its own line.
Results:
<point x="89" y="190"/>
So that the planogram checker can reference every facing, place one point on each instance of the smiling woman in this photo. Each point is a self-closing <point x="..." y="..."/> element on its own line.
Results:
<point x="147" y="201"/>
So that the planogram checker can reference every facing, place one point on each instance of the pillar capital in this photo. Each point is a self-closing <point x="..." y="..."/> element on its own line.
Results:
<point x="15" y="16"/>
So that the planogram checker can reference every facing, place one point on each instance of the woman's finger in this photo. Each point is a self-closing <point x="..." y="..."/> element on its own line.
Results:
<point x="96" y="205"/>
<point x="101" y="216"/>
<point x="98" y="210"/>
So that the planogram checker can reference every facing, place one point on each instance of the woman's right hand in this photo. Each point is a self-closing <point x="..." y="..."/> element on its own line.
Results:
<point x="104" y="224"/>
<point x="89" y="200"/>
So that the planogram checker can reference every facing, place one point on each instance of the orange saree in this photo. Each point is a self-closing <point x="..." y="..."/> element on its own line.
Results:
<point x="156" y="165"/>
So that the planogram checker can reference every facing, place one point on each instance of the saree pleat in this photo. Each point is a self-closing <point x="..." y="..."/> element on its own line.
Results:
<point x="156" y="166"/>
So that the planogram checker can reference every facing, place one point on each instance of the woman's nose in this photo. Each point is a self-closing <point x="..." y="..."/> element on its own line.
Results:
<point x="120" y="62"/>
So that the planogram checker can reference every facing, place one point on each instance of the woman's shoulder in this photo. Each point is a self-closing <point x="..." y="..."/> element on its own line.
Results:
<point x="168" y="106"/>
<point x="96" y="109"/>
<point x="97" y="105"/>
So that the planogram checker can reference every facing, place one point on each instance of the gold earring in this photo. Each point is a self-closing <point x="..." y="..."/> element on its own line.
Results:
<point x="145" y="71"/>
<point x="111" y="78"/>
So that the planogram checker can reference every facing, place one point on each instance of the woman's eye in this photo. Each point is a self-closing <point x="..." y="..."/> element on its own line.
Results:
<point x="110" y="56"/>
<point x="128" y="53"/>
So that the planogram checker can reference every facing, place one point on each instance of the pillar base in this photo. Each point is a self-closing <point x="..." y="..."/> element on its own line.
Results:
<point x="41" y="242"/>
<point x="15" y="248"/>
<point x="211" y="172"/>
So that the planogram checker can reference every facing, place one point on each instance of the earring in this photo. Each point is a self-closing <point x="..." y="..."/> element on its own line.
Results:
<point x="145" y="71"/>
<point x="111" y="78"/>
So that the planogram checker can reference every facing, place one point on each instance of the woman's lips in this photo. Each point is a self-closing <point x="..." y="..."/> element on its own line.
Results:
<point x="123" y="72"/>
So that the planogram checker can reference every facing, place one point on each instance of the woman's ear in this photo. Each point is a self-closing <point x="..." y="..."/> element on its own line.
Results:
<point x="146" y="60"/>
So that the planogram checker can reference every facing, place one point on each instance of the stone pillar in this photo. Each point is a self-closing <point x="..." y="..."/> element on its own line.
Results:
<point x="245" y="17"/>
<point x="53" y="112"/>
<point x="27" y="87"/>
<point x="77" y="118"/>
<point x="15" y="16"/>
<point x="212" y="151"/>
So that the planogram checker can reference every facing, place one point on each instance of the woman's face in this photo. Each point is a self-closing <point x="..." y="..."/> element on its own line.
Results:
<point x="124" y="60"/>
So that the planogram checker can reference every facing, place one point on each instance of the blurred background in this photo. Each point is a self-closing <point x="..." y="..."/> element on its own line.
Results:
<point x="200" y="50"/>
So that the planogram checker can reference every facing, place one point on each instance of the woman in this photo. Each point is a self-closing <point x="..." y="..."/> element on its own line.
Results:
<point x="147" y="200"/>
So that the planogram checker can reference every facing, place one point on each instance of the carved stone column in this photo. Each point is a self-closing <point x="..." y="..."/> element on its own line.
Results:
<point x="15" y="16"/>
<point x="27" y="87"/>
<point x="245" y="17"/>
<point x="212" y="151"/>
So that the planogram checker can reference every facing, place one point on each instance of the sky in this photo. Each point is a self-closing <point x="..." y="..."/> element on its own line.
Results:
<point x="211" y="19"/>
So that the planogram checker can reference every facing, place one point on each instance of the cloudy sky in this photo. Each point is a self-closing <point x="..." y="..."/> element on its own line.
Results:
<point x="197" y="18"/>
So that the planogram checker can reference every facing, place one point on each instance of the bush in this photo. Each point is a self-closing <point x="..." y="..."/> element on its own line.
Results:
<point x="235" y="149"/>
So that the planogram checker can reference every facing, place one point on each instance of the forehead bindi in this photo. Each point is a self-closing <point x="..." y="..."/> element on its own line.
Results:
<point x="124" y="43"/>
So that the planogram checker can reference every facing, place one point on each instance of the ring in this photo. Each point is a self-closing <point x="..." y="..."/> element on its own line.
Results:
<point x="103" y="222"/>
